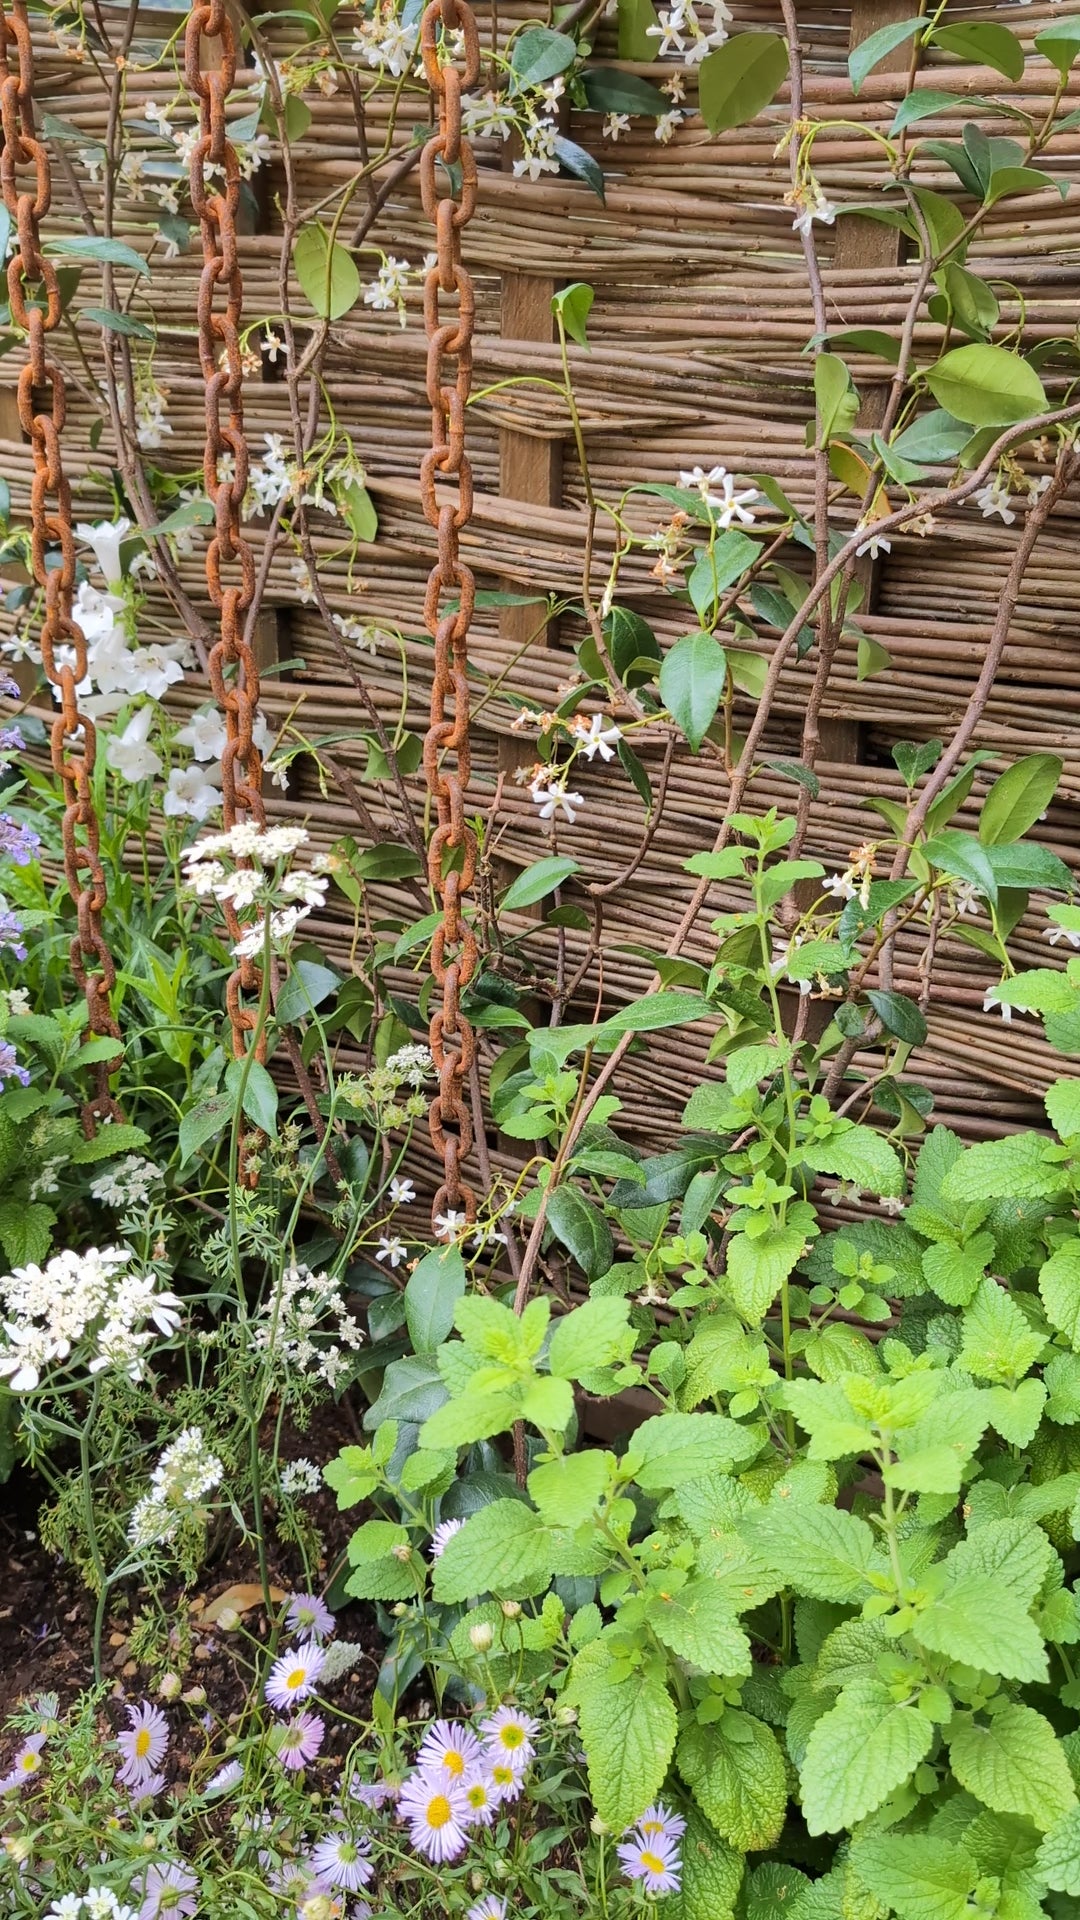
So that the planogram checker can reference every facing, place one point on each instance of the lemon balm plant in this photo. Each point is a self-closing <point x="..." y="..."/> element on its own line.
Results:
<point x="820" y="1598"/>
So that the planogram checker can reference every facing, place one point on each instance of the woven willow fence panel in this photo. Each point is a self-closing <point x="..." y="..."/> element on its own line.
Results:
<point x="701" y="317"/>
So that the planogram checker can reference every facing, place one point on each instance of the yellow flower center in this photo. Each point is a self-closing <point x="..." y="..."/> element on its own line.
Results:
<point x="650" y="1826"/>
<point x="477" y="1795"/>
<point x="439" y="1811"/>
<point x="502" y="1776"/>
<point x="295" y="1679"/>
<point x="652" y="1862"/>
<point x="142" y="1743"/>
<point x="453" y="1761"/>
<point x="30" y="1762"/>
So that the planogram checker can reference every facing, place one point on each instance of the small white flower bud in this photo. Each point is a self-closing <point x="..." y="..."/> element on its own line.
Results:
<point x="481" y="1636"/>
<point x="169" y="1686"/>
<point x="228" y="1620"/>
<point x="511" y="1609"/>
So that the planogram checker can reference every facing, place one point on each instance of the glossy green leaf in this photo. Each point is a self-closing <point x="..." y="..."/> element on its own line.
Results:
<point x="866" y="56"/>
<point x="986" y="386"/>
<point x="1017" y="799"/>
<point x="692" y="681"/>
<point x="739" y="79"/>
<point x="327" y="272"/>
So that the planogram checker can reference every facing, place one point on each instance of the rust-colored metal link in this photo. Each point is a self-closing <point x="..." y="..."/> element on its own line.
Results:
<point x="34" y="298"/>
<point x="452" y="849"/>
<point x="234" y="675"/>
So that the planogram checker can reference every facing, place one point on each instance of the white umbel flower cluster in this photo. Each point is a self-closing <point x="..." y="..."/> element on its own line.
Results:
<point x="303" y="1305"/>
<point x="89" y="1309"/>
<point x="127" y="1183"/>
<point x="246" y="867"/>
<point x="186" y="1472"/>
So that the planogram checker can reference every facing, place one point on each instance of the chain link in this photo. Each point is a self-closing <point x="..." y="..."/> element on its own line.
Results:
<point x="234" y="674"/>
<point x="73" y="738"/>
<point x="452" y="849"/>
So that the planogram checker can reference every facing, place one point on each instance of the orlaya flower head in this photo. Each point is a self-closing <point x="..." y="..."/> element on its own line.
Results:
<point x="653" y="1860"/>
<point x="168" y="1892"/>
<point x="299" y="1741"/>
<point x="437" y="1812"/>
<point x="343" y="1861"/>
<point x="448" y="1748"/>
<point x="144" y="1744"/>
<point x="295" y="1675"/>
<point x="508" y="1736"/>
<point x="309" y="1615"/>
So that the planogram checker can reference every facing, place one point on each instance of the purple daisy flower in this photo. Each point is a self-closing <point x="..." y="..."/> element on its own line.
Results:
<point x="659" y="1820"/>
<point x="508" y="1736"/>
<point x="9" y="686"/>
<point x="26" y="1764"/>
<point x="299" y="1742"/>
<point x="168" y="1892"/>
<point x="375" y="1794"/>
<point x="310" y="1616"/>
<point x="437" y="1812"/>
<point x="483" y="1798"/>
<point x="653" y="1861"/>
<point x="491" y="1907"/>
<point x="445" y="1531"/>
<point x="294" y="1676"/>
<point x="448" y="1748"/>
<point x="343" y="1861"/>
<point x="144" y="1745"/>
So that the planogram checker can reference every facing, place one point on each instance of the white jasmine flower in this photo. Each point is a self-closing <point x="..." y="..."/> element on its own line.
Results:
<point x="552" y="800"/>
<point x="875" y="543"/>
<point x="448" y="1225"/>
<point x="596" y="737"/>
<point x="393" y="1249"/>
<point x="614" y="125"/>
<point x="995" y="498"/>
<point x="666" y="123"/>
<point x="402" y="1192"/>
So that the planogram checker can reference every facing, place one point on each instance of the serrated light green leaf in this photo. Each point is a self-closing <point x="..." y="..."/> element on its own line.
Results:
<point x="1063" y="1106"/>
<point x="1058" y="1858"/>
<point x="503" y="1549"/>
<point x="820" y="1551"/>
<point x="858" y="1754"/>
<point x="1015" y="1412"/>
<point x="568" y="1490"/>
<point x="735" y="1770"/>
<point x="915" y="1876"/>
<point x="698" y="1625"/>
<point x="628" y="1731"/>
<point x="757" y="1268"/>
<point x="684" y="1446"/>
<point x="1016" y="1166"/>
<point x="858" y="1154"/>
<point x="982" y="1624"/>
<point x="1059" y="1285"/>
<point x="999" y="1341"/>
<point x="711" y="1874"/>
<point x="1015" y="1764"/>
<point x="596" y="1334"/>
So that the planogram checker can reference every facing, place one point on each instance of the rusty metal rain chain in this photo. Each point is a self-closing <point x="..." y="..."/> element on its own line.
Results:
<point x="446" y="744"/>
<point x="63" y="643"/>
<point x="225" y="473"/>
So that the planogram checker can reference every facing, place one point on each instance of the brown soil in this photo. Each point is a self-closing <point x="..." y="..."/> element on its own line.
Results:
<point x="46" y="1615"/>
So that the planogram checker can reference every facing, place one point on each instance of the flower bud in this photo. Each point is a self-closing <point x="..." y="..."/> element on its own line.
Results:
<point x="169" y="1686"/>
<point x="195" y="1697"/>
<point x="228" y="1620"/>
<point x="402" y="1553"/>
<point x="598" y="1826"/>
<point x="565" y="1716"/>
<point x="18" y="1847"/>
<point x="511" y="1609"/>
<point x="481" y="1636"/>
